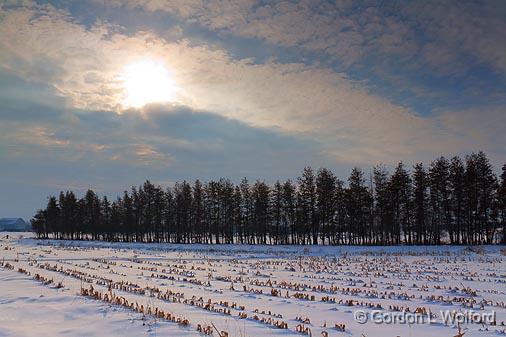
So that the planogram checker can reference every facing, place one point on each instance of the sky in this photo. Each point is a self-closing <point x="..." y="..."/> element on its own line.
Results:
<point x="106" y="94"/>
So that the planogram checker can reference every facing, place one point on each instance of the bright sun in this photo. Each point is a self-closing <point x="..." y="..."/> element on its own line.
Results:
<point x="147" y="82"/>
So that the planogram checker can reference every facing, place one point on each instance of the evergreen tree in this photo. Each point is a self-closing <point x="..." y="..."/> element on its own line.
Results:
<point x="325" y="203"/>
<point x="169" y="214"/>
<point x="383" y="215"/>
<point x="246" y="210"/>
<point x="487" y="182"/>
<point x="456" y="181"/>
<point x="401" y="195"/>
<point x="198" y="211"/>
<point x="340" y="215"/>
<point x="289" y="210"/>
<point x="261" y="212"/>
<point x="226" y="197"/>
<point x="306" y="202"/>
<point x="421" y="204"/>
<point x="105" y="219"/>
<point x="439" y="199"/>
<point x="501" y="202"/>
<point x="277" y="212"/>
<point x="39" y="224"/>
<point x="238" y="218"/>
<point x="52" y="214"/>
<point x="358" y="199"/>
<point x="454" y="202"/>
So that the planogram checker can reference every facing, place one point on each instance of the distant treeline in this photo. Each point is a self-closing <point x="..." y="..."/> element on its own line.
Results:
<point x="458" y="201"/>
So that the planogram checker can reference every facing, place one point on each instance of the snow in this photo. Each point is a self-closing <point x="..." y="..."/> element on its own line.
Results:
<point x="28" y="308"/>
<point x="390" y="276"/>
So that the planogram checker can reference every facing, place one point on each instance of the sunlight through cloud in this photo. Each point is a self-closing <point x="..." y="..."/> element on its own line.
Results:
<point x="147" y="82"/>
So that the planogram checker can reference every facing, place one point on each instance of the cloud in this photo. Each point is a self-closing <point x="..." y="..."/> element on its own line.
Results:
<point x="474" y="28"/>
<point x="171" y="139"/>
<point x="62" y="123"/>
<point x="110" y="152"/>
<point x="351" y="124"/>
<point x="350" y="30"/>
<point x="407" y="52"/>
<point x="478" y="128"/>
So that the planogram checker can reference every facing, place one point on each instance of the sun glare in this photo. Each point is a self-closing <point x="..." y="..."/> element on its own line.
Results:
<point x="147" y="82"/>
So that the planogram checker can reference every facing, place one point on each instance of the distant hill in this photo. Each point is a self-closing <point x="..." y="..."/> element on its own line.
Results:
<point x="14" y="225"/>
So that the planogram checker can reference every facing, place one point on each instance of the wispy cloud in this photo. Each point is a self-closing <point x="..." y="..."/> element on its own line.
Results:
<point x="82" y="64"/>
<point x="349" y="30"/>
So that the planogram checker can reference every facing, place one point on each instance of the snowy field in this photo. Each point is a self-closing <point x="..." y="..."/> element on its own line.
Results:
<point x="64" y="288"/>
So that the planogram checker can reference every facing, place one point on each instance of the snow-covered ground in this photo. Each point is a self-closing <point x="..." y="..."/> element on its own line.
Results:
<point x="245" y="290"/>
<point x="28" y="308"/>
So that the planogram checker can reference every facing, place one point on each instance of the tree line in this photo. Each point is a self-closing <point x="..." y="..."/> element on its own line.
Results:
<point x="457" y="201"/>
